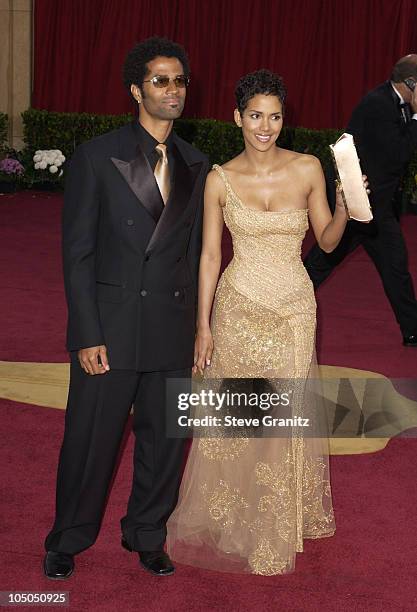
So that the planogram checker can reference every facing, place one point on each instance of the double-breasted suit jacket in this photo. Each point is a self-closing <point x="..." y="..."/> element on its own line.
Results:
<point x="131" y="263"/>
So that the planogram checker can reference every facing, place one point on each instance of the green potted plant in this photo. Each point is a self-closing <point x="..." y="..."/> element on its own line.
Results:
<point x="44" y="169"/>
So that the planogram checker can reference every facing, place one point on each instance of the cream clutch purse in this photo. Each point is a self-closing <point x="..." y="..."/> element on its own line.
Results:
<point x="349" y="175"/>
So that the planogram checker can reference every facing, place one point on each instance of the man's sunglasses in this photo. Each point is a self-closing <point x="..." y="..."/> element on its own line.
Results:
<point x="180" y="81"/>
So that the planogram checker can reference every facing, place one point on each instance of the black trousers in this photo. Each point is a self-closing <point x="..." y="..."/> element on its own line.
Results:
<point x="97" y="411"/>
<point x="384" y="242"/>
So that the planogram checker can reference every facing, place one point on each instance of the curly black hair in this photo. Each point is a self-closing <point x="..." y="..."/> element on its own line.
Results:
<point x="135" y="66"/>
<point x="260" y="82"/>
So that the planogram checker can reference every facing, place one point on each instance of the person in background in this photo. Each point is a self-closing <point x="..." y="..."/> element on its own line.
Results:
<point x="384" y="127"/>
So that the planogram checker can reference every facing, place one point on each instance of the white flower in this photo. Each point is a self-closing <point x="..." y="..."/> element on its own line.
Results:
<point x="48" y="157"/>
<point x="61" y="172"/>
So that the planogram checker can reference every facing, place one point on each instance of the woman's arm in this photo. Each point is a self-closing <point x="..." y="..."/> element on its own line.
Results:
<point x="211" y="257"/>
<point x="328" y="230"/>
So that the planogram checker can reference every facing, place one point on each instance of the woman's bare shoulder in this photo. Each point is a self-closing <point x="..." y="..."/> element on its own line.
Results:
<point x="306" y="166"/>
<point x="304" y="159"/>
<point x="213" y="178"/>
<point x="215" y="189"/>
<point x="307" y="160"/>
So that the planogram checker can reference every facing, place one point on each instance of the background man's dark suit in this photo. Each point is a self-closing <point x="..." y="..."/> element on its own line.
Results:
<point x="130" y="269"/>
<point x="385" y="142"/>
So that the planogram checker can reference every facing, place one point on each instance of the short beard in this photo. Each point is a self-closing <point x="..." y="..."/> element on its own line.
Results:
<point x="172" y="113"/>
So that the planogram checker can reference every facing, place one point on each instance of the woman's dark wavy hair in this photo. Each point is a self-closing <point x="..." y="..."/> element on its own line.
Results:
<point x="260" y="82"/>
<point x="135" y="66"/>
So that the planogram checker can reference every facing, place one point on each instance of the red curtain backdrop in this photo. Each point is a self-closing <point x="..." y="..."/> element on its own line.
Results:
<point x="330" y="52"/>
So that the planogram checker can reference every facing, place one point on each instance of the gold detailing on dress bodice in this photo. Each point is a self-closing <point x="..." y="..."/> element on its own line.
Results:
<point x="266" y="264"/>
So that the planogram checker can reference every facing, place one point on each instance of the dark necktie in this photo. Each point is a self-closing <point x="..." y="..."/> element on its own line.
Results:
<point x="161" y="172"/>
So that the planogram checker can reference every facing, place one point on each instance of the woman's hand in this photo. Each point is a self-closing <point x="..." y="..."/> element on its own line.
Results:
<point x="339" y="198"/>
<point x="203" y="349"/>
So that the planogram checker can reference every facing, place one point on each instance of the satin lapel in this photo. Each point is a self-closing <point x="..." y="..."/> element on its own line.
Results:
<point x="141" y="180"/>
<point x="184" y="181"/>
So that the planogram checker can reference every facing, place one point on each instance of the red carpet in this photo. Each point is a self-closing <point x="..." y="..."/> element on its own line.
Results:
<point x="368" y="566"/>
<point x="32" y="303"/>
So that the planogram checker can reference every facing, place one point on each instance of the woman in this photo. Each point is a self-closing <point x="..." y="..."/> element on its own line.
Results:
<point x="247" y="503"/>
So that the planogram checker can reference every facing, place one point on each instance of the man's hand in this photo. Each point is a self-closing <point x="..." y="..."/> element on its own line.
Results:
<point x="93" y="360"/>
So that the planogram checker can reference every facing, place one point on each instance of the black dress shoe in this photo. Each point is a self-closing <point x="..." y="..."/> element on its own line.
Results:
<point x="58" y="566"/>
<point x="157" y="562"/>
<point x="410" y="340"/>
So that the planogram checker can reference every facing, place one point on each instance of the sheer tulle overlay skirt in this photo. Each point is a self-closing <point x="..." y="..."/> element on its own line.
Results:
<point x="248" y="500"/>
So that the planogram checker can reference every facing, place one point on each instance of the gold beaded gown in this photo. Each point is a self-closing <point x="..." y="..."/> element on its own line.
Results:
<point x="246" y="504"/>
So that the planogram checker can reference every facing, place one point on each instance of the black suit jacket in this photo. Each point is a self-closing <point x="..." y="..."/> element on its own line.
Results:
<point x="385" y="144"/>
<point x="131" y="279"/>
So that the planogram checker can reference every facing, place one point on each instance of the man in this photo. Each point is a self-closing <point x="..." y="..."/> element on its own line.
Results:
<point x="131" y="245"/>
<point x="385" y="133"/>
